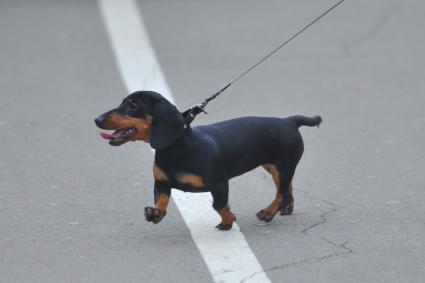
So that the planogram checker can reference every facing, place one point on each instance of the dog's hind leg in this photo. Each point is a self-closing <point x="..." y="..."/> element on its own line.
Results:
<point x="220" y="194"/>
<point x="284" y="201"/>
<point x="287" y="205"/>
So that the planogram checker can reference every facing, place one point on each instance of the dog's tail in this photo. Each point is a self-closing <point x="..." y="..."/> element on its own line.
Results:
<point x="300" y="120"/>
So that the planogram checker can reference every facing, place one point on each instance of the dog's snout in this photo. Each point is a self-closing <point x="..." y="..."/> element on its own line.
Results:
<point x="99" y="121"/>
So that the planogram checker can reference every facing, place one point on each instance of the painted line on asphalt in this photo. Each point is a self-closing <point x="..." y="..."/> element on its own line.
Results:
<point x="226" y="254"/>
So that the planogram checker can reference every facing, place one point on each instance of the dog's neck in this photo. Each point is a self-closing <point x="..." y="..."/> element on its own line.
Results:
<point x="180" y="146"/>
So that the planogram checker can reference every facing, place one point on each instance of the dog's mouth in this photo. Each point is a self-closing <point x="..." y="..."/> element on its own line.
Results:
<point x="120" y="136"/>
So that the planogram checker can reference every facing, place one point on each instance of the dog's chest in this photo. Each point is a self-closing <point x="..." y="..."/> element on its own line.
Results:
<point x="178" y="177"/>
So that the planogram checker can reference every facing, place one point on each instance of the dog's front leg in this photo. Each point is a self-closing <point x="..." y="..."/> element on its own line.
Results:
<point x="162" y="194"/>
<point x="220" y="194"/>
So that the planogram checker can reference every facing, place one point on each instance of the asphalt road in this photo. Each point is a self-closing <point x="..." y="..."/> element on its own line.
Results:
<point x="71" y="206"/>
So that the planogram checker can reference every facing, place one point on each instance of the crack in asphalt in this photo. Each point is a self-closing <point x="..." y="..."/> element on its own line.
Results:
<point x="322" y="220"/>
<point x="373" y="32"/>
<point x="322" y="216"/>
<point x="343" y="249"/>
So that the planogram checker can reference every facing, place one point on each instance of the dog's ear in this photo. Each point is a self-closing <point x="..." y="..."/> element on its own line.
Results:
<point x="167" y="124"/>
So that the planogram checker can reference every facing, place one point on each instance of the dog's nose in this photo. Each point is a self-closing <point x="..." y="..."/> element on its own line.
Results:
<point x="98" y="121"/>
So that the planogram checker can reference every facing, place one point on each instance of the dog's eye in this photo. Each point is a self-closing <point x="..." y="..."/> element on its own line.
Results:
<point x="132" y="105"/>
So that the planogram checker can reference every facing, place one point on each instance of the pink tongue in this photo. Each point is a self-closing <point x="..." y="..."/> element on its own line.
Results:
<point x="106" y="136"/>
<point x="115" y="134"/>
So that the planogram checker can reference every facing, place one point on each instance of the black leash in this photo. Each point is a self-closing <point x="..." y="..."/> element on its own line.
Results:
<point x="196" y="109"/>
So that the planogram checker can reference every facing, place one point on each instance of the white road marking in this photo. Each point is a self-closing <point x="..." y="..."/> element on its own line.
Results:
<point x="226" y="254"/>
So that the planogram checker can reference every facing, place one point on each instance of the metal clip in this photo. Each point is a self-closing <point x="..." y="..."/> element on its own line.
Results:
<point x="197" y="109"/>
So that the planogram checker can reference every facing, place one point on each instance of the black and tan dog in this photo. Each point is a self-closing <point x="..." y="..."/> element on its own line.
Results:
<point x="204" y="158"/>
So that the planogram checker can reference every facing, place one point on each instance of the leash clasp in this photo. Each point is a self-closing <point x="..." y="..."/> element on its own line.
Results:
<point x="193" y="112"/>
<point x="198" y="108"/>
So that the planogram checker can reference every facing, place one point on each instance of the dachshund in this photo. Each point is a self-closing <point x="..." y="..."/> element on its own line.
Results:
<point x="204" y="158"/>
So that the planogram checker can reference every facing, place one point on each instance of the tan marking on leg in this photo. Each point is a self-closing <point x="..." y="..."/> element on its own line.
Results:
<point x="274" y="205"/>
<point x="159" y="175"/>
<point x="191" y="179"/>
<point x="162" y="202"/>
<point x="275" y="174"/>
<point x="227" y="217"/>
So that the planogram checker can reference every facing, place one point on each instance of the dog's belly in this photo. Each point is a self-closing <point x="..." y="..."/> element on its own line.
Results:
<point x="247" y="161"/>
<point x="243" y="156"/>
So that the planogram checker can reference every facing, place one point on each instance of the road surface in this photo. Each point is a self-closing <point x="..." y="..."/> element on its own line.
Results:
<point x="71" y="206"/>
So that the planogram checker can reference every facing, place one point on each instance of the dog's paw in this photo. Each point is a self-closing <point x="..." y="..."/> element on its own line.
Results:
<point x="224" y="226"/>
<point x="265" y="216"/>
<point x="287" y="209"/>
<point x="153" y="214"/>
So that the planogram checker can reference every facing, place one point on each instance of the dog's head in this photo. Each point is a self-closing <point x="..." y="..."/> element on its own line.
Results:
<point x="143" y="115"/>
